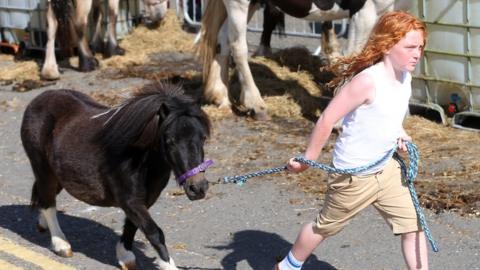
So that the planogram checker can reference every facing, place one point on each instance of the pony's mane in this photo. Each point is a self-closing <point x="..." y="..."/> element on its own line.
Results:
<point x="138" y="121"/>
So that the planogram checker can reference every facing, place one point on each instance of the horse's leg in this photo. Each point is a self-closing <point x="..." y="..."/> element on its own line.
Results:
<point x="86" y="60"/>
<point x="50" y="67"/>
<point x="237" y="32"/>
<point x="330" y="45"/>
<point x="216" y="86"/>
<point x="125" y="256"/>
<point x="96" y="43"/>
<point x="361" y="24"/>
<point x="112" y="47"/>
<point x="271" y="17"/>
<point x="140" y="217"/>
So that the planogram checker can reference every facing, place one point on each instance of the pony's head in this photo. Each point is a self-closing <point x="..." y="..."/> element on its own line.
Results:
<point x="184" y="130"/>
<point x="161" y="125"/>
<point x="154" y="11"/>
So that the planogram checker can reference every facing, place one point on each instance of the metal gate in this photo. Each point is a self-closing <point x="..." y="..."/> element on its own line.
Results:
<point x="24" y="22"/>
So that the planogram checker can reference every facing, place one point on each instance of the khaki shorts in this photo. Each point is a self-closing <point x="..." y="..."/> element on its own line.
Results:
<point x="347" y="195"/>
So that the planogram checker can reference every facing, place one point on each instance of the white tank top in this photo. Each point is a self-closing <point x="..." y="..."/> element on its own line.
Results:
<point x="371" y="131"/>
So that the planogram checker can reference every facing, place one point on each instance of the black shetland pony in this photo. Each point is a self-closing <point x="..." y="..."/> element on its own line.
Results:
<point x="120" y="157"/>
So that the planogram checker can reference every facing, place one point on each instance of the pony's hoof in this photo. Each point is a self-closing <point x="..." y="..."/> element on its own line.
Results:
<point x="66" y="253"/>
<point x="128" y="265"/>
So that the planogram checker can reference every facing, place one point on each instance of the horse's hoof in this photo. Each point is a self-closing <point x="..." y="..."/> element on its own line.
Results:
<point x="50" y="75"/>
<point x="66" y="253"/>
<point x="112" y="50"/>
<point x="88" y="64"/>
<point x="261" y="116"/>
<point x="96" y="47"/>
<point x="119" y="51"/>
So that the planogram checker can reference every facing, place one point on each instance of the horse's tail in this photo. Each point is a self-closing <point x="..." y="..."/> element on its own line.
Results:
<point x="66" y="34"/>
<point x="213" y="18"/>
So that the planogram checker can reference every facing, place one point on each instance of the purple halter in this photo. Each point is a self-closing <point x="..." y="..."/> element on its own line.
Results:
<point x="200" y="168"/>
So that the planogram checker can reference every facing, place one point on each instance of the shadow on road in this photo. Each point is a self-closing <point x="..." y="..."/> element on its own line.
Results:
<point x="88" y="237"/>
<point x="261" y="250"/>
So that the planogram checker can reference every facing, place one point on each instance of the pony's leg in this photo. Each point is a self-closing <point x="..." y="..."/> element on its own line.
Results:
<point x="96" y="43"/>
<point x="50" y="67"/>
<point x="216" y="86"/>
<point x="112" y="47"/>
<point x="42" y="225"/>
<point x="237" y="33"/>
<point x="125" y="256"/>
<point x="60" y="244"/>
<point x="140" y="217"/>
<point x="86" y="60"/>
<point x="361" y="24"/>
<point x="330" y="44"/>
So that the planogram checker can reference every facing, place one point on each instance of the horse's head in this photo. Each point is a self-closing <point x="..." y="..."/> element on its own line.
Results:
<point x="154" y="11"/>
<point x="183" y="137"/>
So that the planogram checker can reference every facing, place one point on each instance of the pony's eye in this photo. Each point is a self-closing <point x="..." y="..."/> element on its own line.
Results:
<point x="170" y="140"/>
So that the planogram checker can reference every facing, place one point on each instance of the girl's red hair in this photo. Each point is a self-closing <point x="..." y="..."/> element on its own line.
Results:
<point x="388" y="31"/>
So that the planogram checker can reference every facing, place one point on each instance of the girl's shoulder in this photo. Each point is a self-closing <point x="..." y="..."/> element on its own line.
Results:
<point x="363" y="80"/>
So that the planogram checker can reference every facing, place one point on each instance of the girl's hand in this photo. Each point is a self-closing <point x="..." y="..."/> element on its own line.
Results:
<point x="402" y="142"/>
<point x="295" y="166"/>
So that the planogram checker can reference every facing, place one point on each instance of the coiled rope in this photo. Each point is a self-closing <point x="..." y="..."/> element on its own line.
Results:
<point x="409" y="174"/>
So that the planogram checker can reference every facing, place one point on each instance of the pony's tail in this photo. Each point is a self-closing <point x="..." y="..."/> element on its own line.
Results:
<point x="66" y="35"/>
<point x="213" y="18"/>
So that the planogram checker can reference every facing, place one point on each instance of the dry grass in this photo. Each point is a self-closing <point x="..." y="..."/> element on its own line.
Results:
<point x="143" y="42"/>
<point x="18" y="71"/>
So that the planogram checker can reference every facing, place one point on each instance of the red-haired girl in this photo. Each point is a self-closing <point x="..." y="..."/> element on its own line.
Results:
<point x="373" y="101"/>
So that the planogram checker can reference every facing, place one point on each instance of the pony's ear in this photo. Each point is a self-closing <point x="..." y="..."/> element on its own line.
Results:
<point x="163" y="111"/>
<point x="149" y="133"/>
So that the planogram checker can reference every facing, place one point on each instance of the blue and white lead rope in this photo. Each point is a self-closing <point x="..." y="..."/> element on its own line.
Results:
<point x="409" y="175"/>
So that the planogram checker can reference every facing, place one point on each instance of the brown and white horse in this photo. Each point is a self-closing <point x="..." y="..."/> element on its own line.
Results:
<point x="225" y="23"/>
<point x="63" y="15"/>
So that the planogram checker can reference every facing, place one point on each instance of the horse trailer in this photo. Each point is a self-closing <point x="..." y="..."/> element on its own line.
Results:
<point x="23" y="22"/>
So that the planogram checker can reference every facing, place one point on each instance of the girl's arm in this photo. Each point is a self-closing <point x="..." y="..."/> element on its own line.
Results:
<point x="360" y="90"/>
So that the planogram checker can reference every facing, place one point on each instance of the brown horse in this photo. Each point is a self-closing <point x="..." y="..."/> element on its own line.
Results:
<point x="70" y="19"/>
<point x="120" y="157"/>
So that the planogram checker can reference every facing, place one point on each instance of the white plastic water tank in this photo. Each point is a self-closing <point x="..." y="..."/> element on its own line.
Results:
<point x="451" y="62"/>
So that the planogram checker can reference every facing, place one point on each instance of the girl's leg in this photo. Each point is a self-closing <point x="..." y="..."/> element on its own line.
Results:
<point x="307" y="241"/>
<point x="414" y="249"/>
